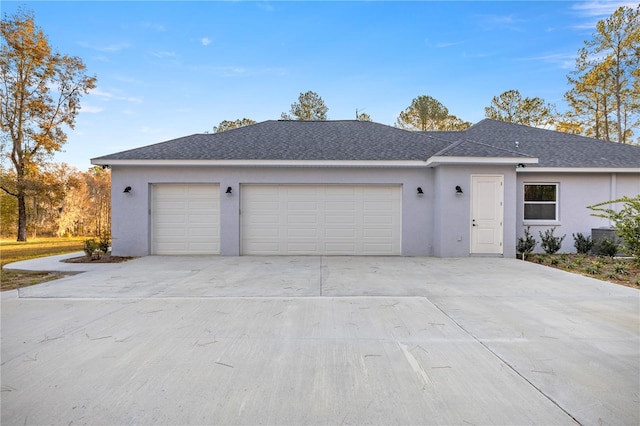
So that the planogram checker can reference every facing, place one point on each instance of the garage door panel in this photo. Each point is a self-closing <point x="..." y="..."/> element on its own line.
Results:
<point x="186" y="219"/>
<point x="321" y="219"/>
<point x="302" y="233"/>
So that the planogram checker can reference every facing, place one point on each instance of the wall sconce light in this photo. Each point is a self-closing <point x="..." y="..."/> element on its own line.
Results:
<point x="520" y="166"/>
<point x="229" y="191"/>
<point x="127" y="190"/>
<point x="458" y="189"/>
<point x="420" y="191"/>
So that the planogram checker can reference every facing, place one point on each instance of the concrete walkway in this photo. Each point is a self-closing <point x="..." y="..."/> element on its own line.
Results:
<point x="320" y="340"/>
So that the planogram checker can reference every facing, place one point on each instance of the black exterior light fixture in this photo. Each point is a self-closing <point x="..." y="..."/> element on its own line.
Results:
<point x="458" y="190"/>
<point x="229" y="190"/>
<point x="420" y="192"/>
<point x="127" y="190"/>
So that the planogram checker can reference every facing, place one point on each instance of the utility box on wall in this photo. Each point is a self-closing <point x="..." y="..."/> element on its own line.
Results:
<point x="600" y="234"/>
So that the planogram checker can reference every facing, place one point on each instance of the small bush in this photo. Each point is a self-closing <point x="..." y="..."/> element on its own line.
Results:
<point x="582" y="244"/>
<point x="526" y="245"/>
<point x="592" y="269"/>
<point x="90" y="248"/>
<point x="626" y="220"/>
<point x="550" y="243"/>
<point x="105" y="243"/>
<point x="554" y="261"/>
<point x="606" y="247"/>
<point x="620" y="268"/>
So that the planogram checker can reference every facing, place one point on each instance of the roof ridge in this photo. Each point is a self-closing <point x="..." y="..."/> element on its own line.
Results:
<point x="497" y="148"/>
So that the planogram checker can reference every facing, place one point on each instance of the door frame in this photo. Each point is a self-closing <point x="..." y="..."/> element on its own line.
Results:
<point x="499" y="178"/>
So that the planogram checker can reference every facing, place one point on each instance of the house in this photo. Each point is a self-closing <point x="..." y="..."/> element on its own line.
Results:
<point x="362" y="188"/>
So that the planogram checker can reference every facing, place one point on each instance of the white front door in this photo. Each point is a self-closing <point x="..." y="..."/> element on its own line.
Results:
<point x="487" y="210"/>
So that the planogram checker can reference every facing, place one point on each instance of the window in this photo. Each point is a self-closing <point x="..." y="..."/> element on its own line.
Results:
<point x="540" y="201"/>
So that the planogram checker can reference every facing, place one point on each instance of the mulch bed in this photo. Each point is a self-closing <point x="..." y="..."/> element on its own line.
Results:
<point x="105" y="258"/>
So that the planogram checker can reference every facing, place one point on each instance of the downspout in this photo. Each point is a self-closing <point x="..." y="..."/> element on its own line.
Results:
<point x="613" y="191"/>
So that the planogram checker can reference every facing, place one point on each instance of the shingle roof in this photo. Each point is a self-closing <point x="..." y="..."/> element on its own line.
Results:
<point x="369" y="141"/>
<point x="552" y="148"/>
<point x="294" y="140"/>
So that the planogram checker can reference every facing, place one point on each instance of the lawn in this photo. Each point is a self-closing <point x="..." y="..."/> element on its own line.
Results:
<point x="13" y="251"/>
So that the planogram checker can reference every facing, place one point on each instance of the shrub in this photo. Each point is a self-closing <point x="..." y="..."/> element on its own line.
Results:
<point x="91" y="246"/>
<point x="105" y="243"/>
<point x="606" y="247"/>
<point x="554" y="261"/>
<point x="620" y="268"/>
<point x="592" y="269"/>
<point x="627" y="222"/>
<point x="526" y="245"/>
<point x="582" y="244"/>
<point x="550" y="243"/>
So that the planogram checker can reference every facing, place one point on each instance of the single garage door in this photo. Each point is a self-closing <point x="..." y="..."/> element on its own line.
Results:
<point x="321" y="219"/>
<point x="186" y="219"/>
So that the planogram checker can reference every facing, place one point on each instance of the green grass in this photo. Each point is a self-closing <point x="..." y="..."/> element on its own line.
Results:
<point x="13" y="251"/>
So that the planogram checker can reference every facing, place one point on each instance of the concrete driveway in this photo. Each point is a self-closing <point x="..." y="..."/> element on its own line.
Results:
<point x="321" y="340"/>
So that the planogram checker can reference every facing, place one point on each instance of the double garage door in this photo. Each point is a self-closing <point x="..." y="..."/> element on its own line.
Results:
<point x="281" y="219"/>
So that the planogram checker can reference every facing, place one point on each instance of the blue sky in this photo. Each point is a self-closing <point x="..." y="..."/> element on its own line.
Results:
<point x="169" y="69"/>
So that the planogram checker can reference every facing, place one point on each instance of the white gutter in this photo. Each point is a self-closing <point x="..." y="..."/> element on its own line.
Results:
<point x="259" y="163"/>
<point x="438" y="160"/>
<point x="578" y="170"/>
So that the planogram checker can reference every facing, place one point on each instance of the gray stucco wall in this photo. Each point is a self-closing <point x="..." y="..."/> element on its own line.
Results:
<point x="434" y="224"/>
<point x="131" y="212"/>
<point x="576" y="191"/>
<point x="452" y="216"/>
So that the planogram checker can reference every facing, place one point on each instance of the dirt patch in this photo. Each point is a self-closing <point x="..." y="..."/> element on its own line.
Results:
<point x="623" y="271"/>
<point x="13" y="279"/>
<point x="105" y="258"/>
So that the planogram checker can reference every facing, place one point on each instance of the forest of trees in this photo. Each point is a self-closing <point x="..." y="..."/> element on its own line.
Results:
<point x="40" y="92"/>
<point x="60" y="201"/>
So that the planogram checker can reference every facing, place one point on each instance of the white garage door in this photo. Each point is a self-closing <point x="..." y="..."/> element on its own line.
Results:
<point x="321" y="219"/>
<point x="186" y="219"/>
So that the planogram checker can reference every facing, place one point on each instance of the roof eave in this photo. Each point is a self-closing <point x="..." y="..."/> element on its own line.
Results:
<point x="438" y="160"/>
<point x="259" y="163"/>
<point x="566" y="169"/>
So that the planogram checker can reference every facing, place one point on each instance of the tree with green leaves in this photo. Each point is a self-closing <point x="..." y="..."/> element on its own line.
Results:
<point x="626" y="221"/>
<point x="40" y="92"/>
<point x="511" y="107"/>
<point x="310" y="107"/>
<point x="605" y="92"/>
<point x="362" y="116"/>
<point x="427" y="113"/>
<point x="228" y="125"/>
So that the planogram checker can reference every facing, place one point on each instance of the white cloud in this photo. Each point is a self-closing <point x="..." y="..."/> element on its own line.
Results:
<point x="153" y="26"/>
<point x="599" y="8"/>
<point x="205" y="41"/>
<point x="562" y="60"/>
<point x="90" y="109"/>
<point x="163" y="54"/>
<point x="107" y="96"/>
<point x="110" y="48"/>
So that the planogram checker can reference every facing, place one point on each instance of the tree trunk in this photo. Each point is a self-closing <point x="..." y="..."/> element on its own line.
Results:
<point x="22" y="217"/>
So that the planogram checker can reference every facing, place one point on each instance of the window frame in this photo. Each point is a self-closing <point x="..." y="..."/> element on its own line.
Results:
<point x="556" y="219"/>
